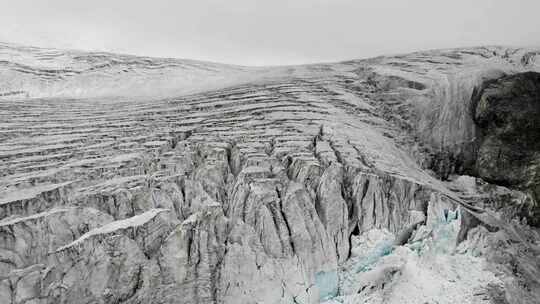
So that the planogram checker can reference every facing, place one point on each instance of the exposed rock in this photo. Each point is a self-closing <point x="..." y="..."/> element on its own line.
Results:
<point x="508" y="113"/>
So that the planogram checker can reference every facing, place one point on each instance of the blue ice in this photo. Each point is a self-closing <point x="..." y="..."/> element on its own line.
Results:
<point x="327" y="283"/>
<point x="382" y="249"/>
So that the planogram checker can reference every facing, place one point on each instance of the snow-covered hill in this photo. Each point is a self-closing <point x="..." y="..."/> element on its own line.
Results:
<point x="35" y="72"/>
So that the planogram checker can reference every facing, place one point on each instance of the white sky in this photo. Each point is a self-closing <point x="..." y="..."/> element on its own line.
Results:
<point x="269" y="32"/>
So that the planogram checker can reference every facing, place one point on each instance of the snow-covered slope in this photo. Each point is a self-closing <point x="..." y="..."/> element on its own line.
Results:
<point x="144" y="180"/>
<point x="35" y="72"/>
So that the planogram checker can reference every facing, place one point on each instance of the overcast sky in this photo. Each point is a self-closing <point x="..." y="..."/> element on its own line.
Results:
<point x="269" y="32"/>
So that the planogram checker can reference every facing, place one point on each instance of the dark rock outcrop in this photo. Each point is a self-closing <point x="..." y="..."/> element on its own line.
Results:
<point x="507" y="111"/>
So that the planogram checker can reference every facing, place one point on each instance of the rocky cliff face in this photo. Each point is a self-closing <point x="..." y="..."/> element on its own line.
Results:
<point x="338" y="183"/>
<point x="508" y="114"/>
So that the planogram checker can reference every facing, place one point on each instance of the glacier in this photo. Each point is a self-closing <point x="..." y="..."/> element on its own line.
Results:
<point x="129" y="179"/>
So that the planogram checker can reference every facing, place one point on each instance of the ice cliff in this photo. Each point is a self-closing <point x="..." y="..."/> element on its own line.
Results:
<point x="398" y="179"/>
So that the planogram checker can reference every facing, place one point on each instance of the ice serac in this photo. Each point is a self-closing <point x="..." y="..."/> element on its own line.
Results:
<point x="332" y="209"/>
<point x="395" y="179"/>
<point x="389" y="202"/>
<point x="189" y="259"/>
